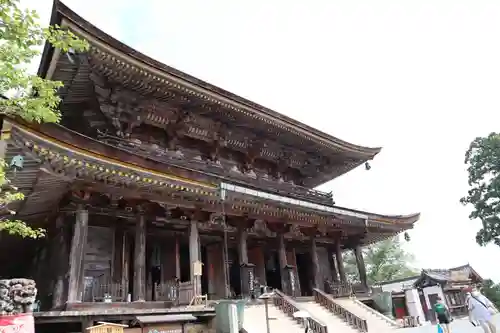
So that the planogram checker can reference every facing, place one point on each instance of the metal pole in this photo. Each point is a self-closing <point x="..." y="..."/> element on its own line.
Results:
<point x="267" y="316"/>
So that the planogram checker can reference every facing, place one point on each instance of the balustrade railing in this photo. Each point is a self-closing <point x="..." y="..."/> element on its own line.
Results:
<point x="329" y="303"/>
<point x="287" y="305"/>
<point x="410" y="321"/>
<point x="346" y="289"/>
<point x="166" y="291"/>
<point x="105" y="289"/>
<point x="186" y="292"/>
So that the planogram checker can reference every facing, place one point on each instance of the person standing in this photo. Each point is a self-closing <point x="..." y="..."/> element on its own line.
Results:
<point x="480" y="309"/>
<point x="443" y="315"/>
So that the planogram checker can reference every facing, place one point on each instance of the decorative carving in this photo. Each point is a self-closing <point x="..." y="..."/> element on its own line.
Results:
<point x="218" y="141"/>
<point x="175" y="127"/>
<point x="135" y="115"/>
<point x="253" y="150"/>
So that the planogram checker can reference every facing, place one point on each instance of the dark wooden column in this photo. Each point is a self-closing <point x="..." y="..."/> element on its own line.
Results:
<point x="194" y="254"/>
<point x="242" y="245"/>
<point x="77" y="253"/>
<point x="284" y="273"/>
<point x="61" y="261"/>
<point x="117" y="265"/>
<point x="140" y="260"/>
<point x="247" y="269"/>
<point x="358" y="252"/>
<point x="316" y="273"/>
<point x="177" y="258"/>
<point x="340" y="262"/>
<point x="333" y="269"/>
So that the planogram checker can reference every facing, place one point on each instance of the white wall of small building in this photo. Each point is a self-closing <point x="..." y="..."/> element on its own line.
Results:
<point x="398" y="287"/>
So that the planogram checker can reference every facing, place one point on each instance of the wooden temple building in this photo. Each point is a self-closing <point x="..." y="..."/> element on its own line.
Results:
<point x="156" y="187"/>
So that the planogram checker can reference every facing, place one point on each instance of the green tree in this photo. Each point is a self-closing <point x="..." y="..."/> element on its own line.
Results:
<point x="30" y="97"/>
<point x="386" y="260"/>
<point x="492" y="291"/>
<point x="483" y="160"/>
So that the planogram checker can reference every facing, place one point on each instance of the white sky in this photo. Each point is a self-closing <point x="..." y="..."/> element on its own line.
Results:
<point x="421" y="78"/>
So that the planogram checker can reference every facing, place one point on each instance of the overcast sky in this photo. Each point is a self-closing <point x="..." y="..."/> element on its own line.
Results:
<point x="420" y="78"/>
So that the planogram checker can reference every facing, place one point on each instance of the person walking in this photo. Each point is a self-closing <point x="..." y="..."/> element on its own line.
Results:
<point x="443" y="315"/>
<point x="480" y="309"/>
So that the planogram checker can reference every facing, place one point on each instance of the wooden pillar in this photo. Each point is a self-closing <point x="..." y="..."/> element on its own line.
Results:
<point x="194" y="254"/>
<point x="256" y="257"/>
<point x="335" y="276"/>
<point x="358" y="252"/>
<point x="61" y="261"/>
<point x="247" y="271"/>
<point x="225" y="266"/>
<point x="126" y="252"/>
<point x="140" y="260"/>
<point x="242" y="246"/>
<point x="340" y="263"/>
<point x="77" y="253"/>
<point x="117" y="265"/>
<point x="177" y="258"/>
<point x="283" y="263"/>
<point x="316" y="274"/>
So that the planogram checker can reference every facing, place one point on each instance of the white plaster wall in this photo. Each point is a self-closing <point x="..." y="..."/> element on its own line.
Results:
<point x="433" y="290"/>
<point x="397" y="287"/>
<point x="413" y="304"/>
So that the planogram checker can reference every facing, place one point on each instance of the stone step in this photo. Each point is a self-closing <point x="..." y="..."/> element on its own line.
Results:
<point x="255" y="320"/>
<point x="332" y="322"/>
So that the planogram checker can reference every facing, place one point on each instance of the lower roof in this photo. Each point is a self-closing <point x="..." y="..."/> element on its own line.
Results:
<point x="53" y="154"/>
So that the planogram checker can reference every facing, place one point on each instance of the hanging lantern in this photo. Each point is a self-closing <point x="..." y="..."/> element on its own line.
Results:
<point x="407" y="237"/>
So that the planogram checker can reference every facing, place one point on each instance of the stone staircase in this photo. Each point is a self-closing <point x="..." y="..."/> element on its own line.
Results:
<point x="376" y="321"/>
<point x="333" y="323"/>
<point x="255" y="320"/>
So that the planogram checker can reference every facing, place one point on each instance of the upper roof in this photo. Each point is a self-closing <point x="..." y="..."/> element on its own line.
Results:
<point x="231" y="103"/>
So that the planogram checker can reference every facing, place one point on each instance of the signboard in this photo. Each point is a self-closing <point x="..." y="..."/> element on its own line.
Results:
<point x="22" y="323"/>
<point x="459" y="275"/>
<point x="292" y="281"/>
<point x="197" y="268"/>
<point x="251" y="280"/>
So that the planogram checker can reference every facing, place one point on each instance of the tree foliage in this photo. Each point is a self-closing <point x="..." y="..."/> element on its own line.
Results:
<point x="492" y="291"/>
<point x="386" y="260"/>
<point x="483" y="160"/>
<point x="30" y="97"/>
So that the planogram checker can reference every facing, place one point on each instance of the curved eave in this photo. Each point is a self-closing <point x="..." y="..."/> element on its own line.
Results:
<point x="398" y="219"/>
<point x="104" y="158"/>
<point x="62" y="15"/>
<point x="402" y="219"/>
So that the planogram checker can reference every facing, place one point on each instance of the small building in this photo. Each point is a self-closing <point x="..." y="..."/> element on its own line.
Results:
<point x="103" y="327"/>
<point x="415" y="296"/>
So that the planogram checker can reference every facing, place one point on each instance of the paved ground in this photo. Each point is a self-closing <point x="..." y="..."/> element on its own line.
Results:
<point x="457" y="326"/>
